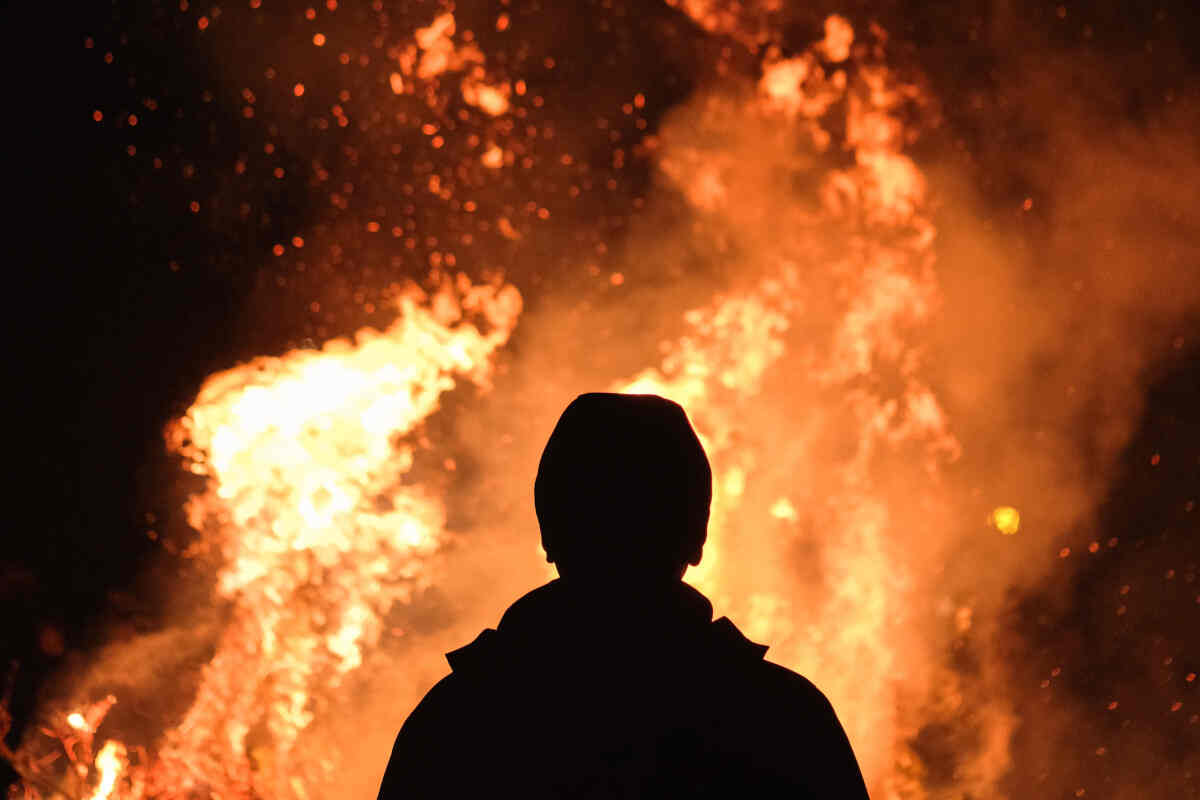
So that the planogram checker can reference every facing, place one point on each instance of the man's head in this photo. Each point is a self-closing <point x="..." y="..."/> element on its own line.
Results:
<point x="623" y="489"/>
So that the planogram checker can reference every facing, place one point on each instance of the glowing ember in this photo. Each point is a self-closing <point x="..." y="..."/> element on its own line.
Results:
<point x="1005" y="519"/>
<point x="784" y="510"/>
<point x="839" y="35"/>
<point x="493" y="157"/>
<point x="492" y="99"/>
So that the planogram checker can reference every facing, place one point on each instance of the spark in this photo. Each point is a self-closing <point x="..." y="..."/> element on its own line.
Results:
<point x="1005" y="519"/>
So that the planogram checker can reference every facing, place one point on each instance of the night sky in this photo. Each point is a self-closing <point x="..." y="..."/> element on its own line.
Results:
<point x="125" y="298"/>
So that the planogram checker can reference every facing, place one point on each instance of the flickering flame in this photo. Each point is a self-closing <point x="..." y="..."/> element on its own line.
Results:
<point x="853" y="640"/>
<point x="110" y="761"/>
<point x="319" y="535"/>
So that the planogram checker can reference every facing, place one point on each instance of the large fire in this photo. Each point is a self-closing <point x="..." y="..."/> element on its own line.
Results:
<point x="319" y="536"/>
<point x="319" y="530"/>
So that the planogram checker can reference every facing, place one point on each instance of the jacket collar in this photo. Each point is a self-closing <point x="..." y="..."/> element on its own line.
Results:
<point x="559" y="618"/>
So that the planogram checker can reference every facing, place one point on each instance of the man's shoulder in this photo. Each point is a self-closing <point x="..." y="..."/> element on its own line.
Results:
<point x="751" y="684"/>
<point x="765" y="676"/>
<point x="445" y="702"/>
<point x="792" y="687"/>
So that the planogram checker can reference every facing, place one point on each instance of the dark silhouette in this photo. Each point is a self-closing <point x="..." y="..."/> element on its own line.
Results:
<point x="614" y="681"/>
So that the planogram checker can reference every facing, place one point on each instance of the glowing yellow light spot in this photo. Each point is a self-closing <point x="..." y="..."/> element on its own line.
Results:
<point x="110" y="762"/>
<point x="490" y="99"/>
<point x="319" y="40"/>
<point x="493" y="157"/>
<point x="397" y="82"/>
<point x="839" y="35"/>
<point x="1005" y="519"/>
<point x="783" y="509"/>
<point x="76" y="721"/>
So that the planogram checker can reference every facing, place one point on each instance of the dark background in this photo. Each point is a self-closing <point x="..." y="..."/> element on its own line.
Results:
<point x="122" y="301"/>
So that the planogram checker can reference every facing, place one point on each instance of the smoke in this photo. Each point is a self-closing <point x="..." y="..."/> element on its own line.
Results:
<point x="1060" y="311"/>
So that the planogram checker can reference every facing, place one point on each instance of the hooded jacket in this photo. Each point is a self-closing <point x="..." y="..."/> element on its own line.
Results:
<point x="636" y="696"/>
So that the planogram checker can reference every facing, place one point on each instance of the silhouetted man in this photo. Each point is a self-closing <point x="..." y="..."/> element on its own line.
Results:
<point x="614" y="681"/>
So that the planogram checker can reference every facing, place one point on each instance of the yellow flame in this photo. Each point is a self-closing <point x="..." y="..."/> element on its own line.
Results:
<point x="847" y="631"/>
<point x="319" y="535"/>
<point x="110" y="761"/>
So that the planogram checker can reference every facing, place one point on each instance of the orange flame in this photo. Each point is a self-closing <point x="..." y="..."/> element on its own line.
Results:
<point x="319" y="537"/>
<point x="110" y="761"/>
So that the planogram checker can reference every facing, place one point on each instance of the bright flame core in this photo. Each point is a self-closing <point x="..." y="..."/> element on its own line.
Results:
<point x="110" y="761"/>
<point x="319" y="534"/>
